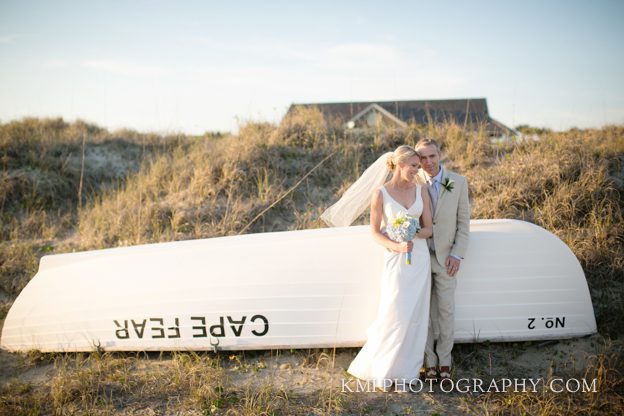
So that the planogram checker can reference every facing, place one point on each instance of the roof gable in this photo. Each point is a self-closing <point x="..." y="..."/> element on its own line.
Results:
<point x="373" y="116"/>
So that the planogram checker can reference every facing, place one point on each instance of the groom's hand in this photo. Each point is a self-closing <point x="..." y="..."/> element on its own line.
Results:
<point x="452" y="266"/>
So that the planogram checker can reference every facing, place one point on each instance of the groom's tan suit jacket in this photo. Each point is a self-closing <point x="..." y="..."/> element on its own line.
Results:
<point x="451" y="219"/>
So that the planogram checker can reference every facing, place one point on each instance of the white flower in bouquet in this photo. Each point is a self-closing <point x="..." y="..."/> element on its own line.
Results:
<point x="403" y="228"/>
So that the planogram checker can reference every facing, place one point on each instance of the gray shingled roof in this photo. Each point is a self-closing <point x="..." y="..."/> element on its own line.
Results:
<point x="462" y="111"/>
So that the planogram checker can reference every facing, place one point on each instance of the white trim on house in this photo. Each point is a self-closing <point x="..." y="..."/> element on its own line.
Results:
<point x="380" y="110"/>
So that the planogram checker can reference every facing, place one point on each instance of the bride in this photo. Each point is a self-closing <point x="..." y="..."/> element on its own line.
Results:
<point x="396" y="339"/>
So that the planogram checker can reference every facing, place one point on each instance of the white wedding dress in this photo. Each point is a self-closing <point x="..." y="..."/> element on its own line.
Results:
<point x="396" y="339"/>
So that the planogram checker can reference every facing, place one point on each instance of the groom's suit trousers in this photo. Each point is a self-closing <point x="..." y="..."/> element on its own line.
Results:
<point x="442" y="319"/>
<point x="451" y="230"/>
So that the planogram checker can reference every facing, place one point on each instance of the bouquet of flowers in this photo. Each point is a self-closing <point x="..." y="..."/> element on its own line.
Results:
<point x="403" y="228"/>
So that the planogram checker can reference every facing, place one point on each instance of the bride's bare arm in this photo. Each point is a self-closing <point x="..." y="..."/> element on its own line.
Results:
<point x="426" y="223"/>
<point x="375" y="223"/>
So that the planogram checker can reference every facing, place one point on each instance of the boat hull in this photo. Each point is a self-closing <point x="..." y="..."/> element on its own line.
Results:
<point x="293" y="289"/>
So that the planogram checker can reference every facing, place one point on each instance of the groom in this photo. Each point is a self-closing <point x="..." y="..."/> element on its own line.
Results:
<point x="451" y="222"/>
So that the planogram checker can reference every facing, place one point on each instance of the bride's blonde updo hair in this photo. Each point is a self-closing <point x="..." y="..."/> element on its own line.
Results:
<point x="400" y="154"/>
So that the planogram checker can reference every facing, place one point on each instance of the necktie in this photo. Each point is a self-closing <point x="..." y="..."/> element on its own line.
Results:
<point x="433" y="193"/>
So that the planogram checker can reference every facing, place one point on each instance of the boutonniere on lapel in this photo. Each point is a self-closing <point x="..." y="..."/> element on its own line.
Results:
<point x="448" y="184"/>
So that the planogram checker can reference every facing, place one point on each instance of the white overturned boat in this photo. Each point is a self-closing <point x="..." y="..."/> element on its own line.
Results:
<point x="294" y="289"/>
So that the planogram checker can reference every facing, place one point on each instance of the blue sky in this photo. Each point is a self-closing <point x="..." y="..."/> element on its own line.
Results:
<point x="196" y="66"/>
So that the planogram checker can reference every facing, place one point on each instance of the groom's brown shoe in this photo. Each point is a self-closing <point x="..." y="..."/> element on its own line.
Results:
<point x="445" y="373"/>
<point x="431" y="373"/>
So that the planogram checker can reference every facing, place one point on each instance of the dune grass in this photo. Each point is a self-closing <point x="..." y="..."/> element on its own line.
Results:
<point x="75" y="186"/>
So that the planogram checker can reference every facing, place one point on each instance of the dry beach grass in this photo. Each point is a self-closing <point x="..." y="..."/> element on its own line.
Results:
<point x="75" y="186"/>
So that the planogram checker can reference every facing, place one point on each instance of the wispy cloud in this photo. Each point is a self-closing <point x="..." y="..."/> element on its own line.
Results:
<point x="386" y="69"/>
<point x="362" y="56"/>
<point x="368" y="70"/>
<point x="55" y="63"/>
<point x="125" y="68"/>
<point x="258" y="49"/>
<point x="4" y="39"/>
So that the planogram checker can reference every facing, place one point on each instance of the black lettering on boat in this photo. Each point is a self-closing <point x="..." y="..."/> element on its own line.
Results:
<point x="159" y="328"/>
<point x="220" y="326"/>
<point x="240" y="326"/>
<point x="122" y="332"/>
<point x="136" y="327"/>
<point x="266" y="325"/>
<point x="202" y="328"/>
<point x="175" y="328"/>
<point x="160" y="331"/>
<point x="548" y="322"/>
